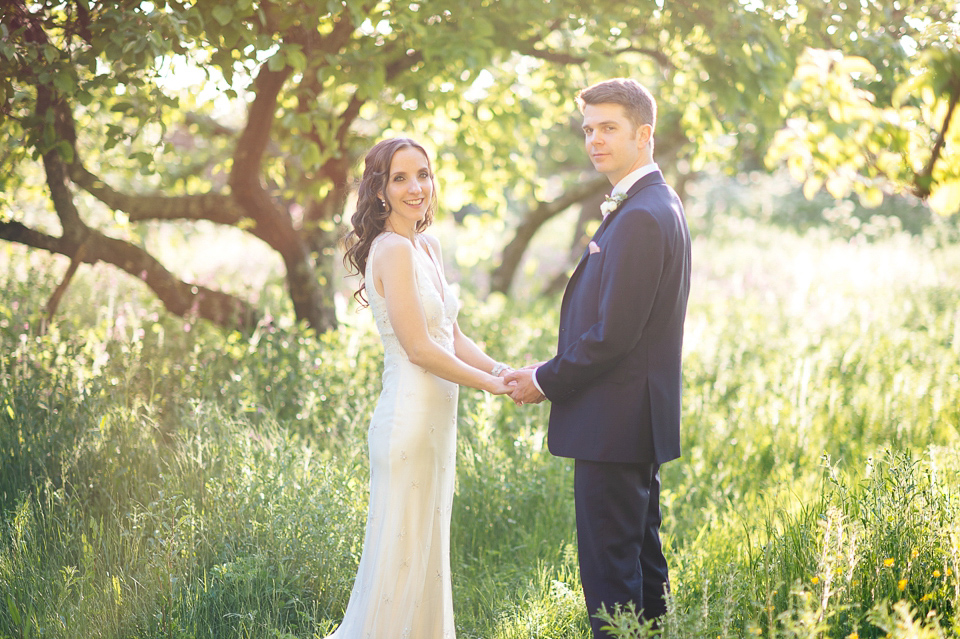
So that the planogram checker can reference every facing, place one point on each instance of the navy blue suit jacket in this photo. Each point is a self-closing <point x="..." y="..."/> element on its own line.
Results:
<point x="615" y="384"/>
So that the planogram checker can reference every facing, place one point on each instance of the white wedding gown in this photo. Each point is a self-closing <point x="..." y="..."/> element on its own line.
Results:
<point x="402" y="589"/>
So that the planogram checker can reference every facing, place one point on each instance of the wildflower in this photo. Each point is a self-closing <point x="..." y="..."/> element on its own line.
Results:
<point x="902" y="584"/>
<point x="926" y="597"/>
<point x="936" y="573"/>
<point x="815" y="580"/>
<point x="888" y="562"/>
<point x="853" y="635"/>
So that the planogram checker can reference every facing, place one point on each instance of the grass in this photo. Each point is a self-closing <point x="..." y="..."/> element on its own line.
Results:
<point x="163" y="479"/>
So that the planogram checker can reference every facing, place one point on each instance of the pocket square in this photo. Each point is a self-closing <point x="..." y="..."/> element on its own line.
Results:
<point x="594" y="248"/>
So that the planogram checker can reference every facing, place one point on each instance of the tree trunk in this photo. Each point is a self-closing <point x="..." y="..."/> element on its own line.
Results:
<point x="273" y="224"/>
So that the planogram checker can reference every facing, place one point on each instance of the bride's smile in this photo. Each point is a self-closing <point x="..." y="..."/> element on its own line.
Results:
<point x="409" y="191"/>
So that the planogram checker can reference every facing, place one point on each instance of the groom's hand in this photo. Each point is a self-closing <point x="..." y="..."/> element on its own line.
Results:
<point x="525" y="391"/>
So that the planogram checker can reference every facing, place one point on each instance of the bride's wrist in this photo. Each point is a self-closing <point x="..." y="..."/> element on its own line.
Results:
<point x="499" y="368"/>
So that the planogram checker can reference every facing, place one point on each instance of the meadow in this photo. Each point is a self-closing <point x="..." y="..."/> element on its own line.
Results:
<point x="164" y="479"/>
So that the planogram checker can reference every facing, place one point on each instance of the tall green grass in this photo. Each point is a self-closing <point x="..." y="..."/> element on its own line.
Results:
<point x="163" y="479"/>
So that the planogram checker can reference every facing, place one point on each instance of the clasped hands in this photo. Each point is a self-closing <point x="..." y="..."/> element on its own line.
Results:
<point x="524" y="390"/>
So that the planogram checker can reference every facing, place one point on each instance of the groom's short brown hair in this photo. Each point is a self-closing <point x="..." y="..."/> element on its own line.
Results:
<point x="636" y="99"/>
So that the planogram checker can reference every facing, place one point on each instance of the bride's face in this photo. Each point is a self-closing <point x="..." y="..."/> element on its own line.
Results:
<point x="409" y="190"/>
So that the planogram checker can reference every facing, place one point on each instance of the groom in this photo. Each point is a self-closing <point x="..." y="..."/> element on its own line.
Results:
<point x="614" y="385"/>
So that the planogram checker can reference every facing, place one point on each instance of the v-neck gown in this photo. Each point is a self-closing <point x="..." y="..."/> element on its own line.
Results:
<point x="403" y="589"/>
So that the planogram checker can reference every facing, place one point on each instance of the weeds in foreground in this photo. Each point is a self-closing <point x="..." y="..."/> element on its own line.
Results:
<point x="157" y="482"/>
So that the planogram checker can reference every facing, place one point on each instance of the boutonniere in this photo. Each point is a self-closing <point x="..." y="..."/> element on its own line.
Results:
<point x="611" y="203"/>
<point x="593" y="247"/>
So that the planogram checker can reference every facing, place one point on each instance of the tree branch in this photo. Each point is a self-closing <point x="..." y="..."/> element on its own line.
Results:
<point x="215" y="207"/>
<point x="54" y="301"/>
<point x="924" y="180"/>
<point x="501" y="278"/>
<point x="178" y="297"/>
<point x="247" y="158"/>
<point x="528" y="47"/>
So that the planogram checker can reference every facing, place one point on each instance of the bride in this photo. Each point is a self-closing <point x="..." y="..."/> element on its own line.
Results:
<point x="402" y="589"/>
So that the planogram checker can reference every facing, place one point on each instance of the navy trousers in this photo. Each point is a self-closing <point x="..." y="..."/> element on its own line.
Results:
<point x="618" y="538"/>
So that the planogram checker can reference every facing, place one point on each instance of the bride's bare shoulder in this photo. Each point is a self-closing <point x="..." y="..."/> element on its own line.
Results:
<point x="393" y="249"/>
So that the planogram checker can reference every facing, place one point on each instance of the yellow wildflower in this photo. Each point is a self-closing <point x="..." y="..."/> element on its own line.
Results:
<point x="888" y="562"/>
<point x="815" y="580"/>
<point x="902" y="584"/>
<point x="936" y="573"/>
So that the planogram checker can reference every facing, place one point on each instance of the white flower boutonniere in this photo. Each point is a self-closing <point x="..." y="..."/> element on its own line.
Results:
<point x="611" y="203"/>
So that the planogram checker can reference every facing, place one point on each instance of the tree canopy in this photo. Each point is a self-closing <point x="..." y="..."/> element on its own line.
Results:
<point x="254" y="113"/>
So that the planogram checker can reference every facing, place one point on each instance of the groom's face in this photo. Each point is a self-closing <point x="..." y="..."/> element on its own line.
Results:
<point x="615" y="146"/>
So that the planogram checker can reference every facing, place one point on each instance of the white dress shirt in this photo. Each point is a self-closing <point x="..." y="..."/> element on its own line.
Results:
<point x="623" y="186"/>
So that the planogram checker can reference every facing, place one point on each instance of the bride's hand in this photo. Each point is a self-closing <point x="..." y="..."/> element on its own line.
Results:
<point x="500" y="387"/>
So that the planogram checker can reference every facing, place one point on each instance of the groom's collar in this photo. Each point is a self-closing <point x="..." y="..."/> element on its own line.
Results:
<point x="624" y="185"/>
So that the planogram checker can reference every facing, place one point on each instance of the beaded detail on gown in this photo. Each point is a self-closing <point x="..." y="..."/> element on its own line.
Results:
<point x="403" y="589"/>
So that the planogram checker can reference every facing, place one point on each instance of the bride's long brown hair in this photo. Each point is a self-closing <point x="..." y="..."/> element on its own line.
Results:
<point x="371" y="215"/>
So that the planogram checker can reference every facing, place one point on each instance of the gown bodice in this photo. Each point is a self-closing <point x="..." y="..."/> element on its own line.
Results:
<point x="440" y="306"/>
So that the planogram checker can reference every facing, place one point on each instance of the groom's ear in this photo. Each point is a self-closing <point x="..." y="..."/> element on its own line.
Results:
<point x="644" y="135"/>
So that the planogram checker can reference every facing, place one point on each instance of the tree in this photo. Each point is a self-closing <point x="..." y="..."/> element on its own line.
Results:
<point x="85" y="90"/>
<point x="856" y="98"/>
<point x="876" y="112"/>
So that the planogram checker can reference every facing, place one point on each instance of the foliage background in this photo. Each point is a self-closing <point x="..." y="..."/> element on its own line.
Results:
<point x="121" y="119"/>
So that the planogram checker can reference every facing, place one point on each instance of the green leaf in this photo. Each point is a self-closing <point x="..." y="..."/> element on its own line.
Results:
<point x="64" y="82"/>
<point x="276" y="63"/>
<point x="296" y="58"/>
<point x="11" y="605"/>
<point x="311" y="155"/>
<point x="223" y="15"/>
<point x="65" y="149"/>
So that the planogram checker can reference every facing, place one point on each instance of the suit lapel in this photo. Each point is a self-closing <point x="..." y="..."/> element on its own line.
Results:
<point x="647" y="180"/>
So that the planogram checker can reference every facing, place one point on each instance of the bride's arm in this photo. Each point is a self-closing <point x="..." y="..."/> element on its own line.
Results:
<point x="468" y="351"/>
<point x="395" y="266"/>
<point x="465" y="348"/>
